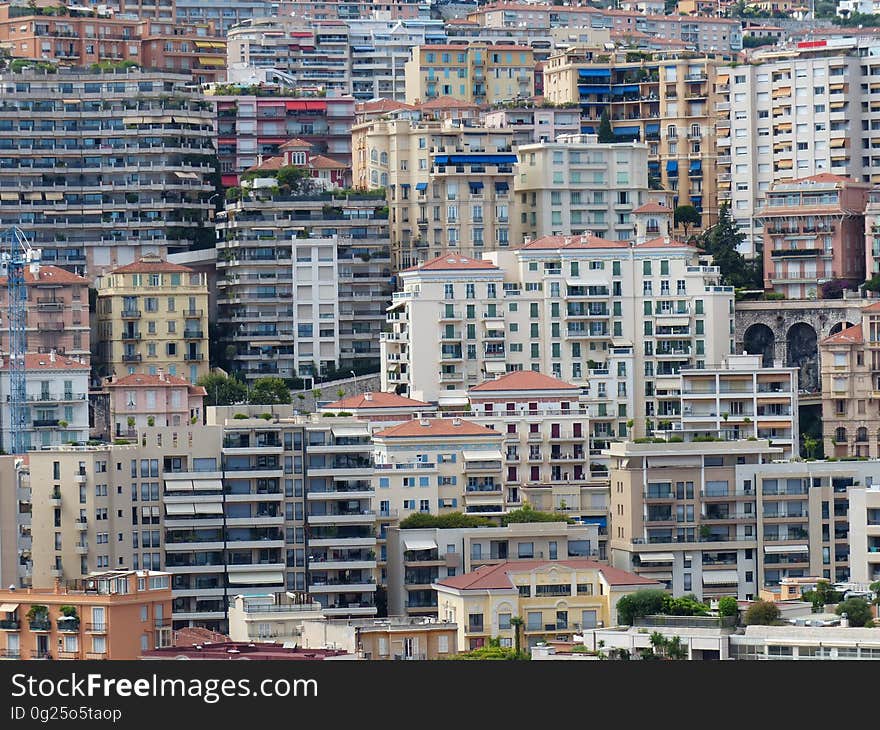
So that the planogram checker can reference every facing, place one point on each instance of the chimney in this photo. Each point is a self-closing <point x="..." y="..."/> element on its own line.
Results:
<point x="161" y="373"/>
<point x="51" y="355"/>
<point x="368" y="396"/>
<point x="456" y="421"/>
<point x="57" y="587"/>
<point x="424" y="422"/>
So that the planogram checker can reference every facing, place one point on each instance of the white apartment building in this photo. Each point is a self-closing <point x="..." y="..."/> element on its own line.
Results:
<point x="864" y="533"/>
<point x="620" y="318"/>
<point x="739" y="398"/>
<point x="534" y="123"/>
<point x="57" y="411"/>
<point x="270" y="617"/>
<point x="573" y="185"/>
<point x="791" y="114"/>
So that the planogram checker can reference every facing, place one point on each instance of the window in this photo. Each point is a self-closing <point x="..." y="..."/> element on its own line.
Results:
<point x="526" y="550"/>
<point x="504" y="621"/>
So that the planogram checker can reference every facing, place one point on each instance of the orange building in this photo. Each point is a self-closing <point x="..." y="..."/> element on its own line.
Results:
<point x="113" y="615"/>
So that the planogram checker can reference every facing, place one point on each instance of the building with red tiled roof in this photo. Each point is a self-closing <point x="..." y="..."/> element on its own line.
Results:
<point x="143" y="399"/>
<point x="332" y="174"/>
<point x="524" y="381"/>
<point x="434" y="428"/>
<point x="379" y="407"/>
<point x="454" y="262"/>
<point x="584" y="595"/>
<point x="242" y="650"/>
<point x="57" y="312"/>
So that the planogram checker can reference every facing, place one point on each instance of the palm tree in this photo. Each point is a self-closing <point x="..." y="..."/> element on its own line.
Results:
<point x="517" y="622"/>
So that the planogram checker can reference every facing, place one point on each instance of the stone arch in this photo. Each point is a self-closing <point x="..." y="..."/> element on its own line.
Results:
<point x="760" y="340"/>
<point x="802" y="352"/>
<point x="839" y="327"/>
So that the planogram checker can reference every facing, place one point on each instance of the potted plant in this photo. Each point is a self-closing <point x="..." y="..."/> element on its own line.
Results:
<point x="151" y="420"/>
<point x="38" y="617"/>
<point x="69" y="620"/>
<point x="131" y="421"/>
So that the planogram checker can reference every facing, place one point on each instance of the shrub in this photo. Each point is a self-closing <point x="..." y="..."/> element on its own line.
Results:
<point x="449" y="520"/>
<point x="266" y="416"/>
<point x="727" y="606"/>
<point x="121" y="442"/>
<point x="69" y="611"/>
<point x="762" y="613"/>
<point x="240" y="416"/>
<point x="151" y="420"/>
<point x="640" y="603"/>
<point x="328" y="415"/>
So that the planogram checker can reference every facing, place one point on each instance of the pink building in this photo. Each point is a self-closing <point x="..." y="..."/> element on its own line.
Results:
<point x="57" y="313"/>
<point x="168" y="400"/>
<point x="814" y="232"/>
<point x="333" y="174"/>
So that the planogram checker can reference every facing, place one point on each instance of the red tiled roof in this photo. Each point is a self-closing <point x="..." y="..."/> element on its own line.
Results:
<point x="320" y="162"/>
<point x="144" y="266"/>
<point x="825" y="177"/>
<point x="240" y="650"/>
<point x="296" y="144"/>
<point x="454" y="262"/>
<point x="554" y="242"/>
<point x="850" y="336"/>
<point x="40" y="361"/>
<point x="273" y="163"/>
<point x="382" y="105"/>
<point x="653" y="207"/>
<point x="524" y="380"/>
<point x="50" y="275"/>
<point x="377" y="400"/>
<point x="145" y="379"/>
<point x="436" y="427"/>
<point x="663" y="241"/>
<point x="875" y="307"/>
<point x="447" y="102"/>
<point x="497" y="577"/>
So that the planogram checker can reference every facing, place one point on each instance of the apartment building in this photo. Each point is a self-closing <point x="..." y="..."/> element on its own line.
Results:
<point x="478" y="73"/>
<point x="57" y="312"/>
<point x="723" y="35"/>
<point x="396" y="637"/>
<point x="141" y="400"/>
<point x="250" y="127"/>
<point x="57" y="405"/>
<point x="349" y="11"/>
<point x="419" y="557"/>
<point x="223" y="14"/>
<point x="71" y="143"/>
<point x="314" y="55"/>
<point x="578" y="168"/>
<point x="724" y="519"/>
<point x="303" y="283"/>
<point x="134" y="337"/>
<point x="872" y="234"/>
<point x="850" y="367"/>
<point x="665" y="99"/>
<point x="599" y="313"/>
<point x="814" y="231"/>
<point x="109" y="615"/>
<point x="804" y="111"/>
<point x="270" y="617"/>
<point x="532" y="124"/>
<point x="15" y="522"/>
<point x="481" y="603"/>
<point x="448" y="184"/>
<point x="380" y="49"/>
<point x="739" y="398"/>
<point x="864" y="534"/>
<point x="766" y="643"/>
<point x="192" y="49"/>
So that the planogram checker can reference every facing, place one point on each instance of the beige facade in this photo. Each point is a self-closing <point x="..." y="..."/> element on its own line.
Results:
<point x="395" y="637"/>
<point x="850" y="368"/>
<point x="555" y="599"/>
<point x="270" y="617"/>
<point x="152" y="316"/>
<point x="448" y="184"/>
<point x="665" y="99"/>
<point x="478" y="73"/>
<point x="864" y="534"/>
<point x="575" y="185"/>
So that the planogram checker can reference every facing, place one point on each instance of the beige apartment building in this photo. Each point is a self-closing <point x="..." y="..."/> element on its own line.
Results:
<point x="478" y="73"/>
<point x="665" y="99"/>
<point x="152" y="315"/>
<point x="57" y="312"/>
<point x="448" y="184"/>
<point x="724" y="518"/>
<point x="850" y="371"/>
<point x="619" y="318"/>
<point x="739" y="398"/>
<point x="270" y="617"/>
<point x="574" y="185"/>
<point x="394" y="637"/>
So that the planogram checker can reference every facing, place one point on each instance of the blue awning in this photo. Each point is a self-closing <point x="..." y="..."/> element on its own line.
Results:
<point x="672" y="166"/>
<point x="404" y="185"/>
<point x="603" y="72"/>
<point x="590" y="520"/>
<point x="627" y="89"/>
<point x="501" y="186"/>
<point x="588" y="130"/>
<point x="652" y="128"/>
<point x="696" y="164"/>
<point x="653" y="165"/>
<point x="474" y="159"/>
<point x="593" y="89"/>
<point x="475" y="185"/>
<point x="626" y="131"/>
<point x="421" y="186"/>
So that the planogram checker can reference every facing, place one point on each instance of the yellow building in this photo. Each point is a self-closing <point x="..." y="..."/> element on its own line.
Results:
<point x="555" y="599"/>
<point x="153" y="315"/>
<point x="479" y="73"/>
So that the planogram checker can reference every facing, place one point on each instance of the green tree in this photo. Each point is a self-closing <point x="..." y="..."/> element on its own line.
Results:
<point x="728" y="606"/>
<point x="492" y="651"/>
<point x="605" y="132"/>
<point x="722" y="241"/>
<point x="823" y="595"/>
<point x="222" y="390"/>
<point x="875" y="586"/>
<point x="810" y="445"/>
<point x="517" y="623"/>
<point x="685" y="216"/>
<point x="638" y="604"/>
<point x="857" y="610"/>
<point x="527" y="514"/>
<point x="270" y="391"/>
<point x="762" y="613"/>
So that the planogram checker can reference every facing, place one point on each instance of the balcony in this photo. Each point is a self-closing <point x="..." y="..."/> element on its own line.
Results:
<point x="10" y="624"/>
<point x="131" y="357"/>
<point x="68" y="624"/>
<point x="129" y="336"/>
<point x="193" y="334"/>
<point x="193" y="356"/>
<point x="131" y="314"/>
<point x="96" y="628"/>
<point x="40" y="624"/>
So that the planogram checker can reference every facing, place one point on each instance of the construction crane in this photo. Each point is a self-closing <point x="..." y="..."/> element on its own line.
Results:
<point x="16" y="255"/>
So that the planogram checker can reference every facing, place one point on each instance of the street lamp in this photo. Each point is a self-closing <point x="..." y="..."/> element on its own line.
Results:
<point x="355" y="380"/>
